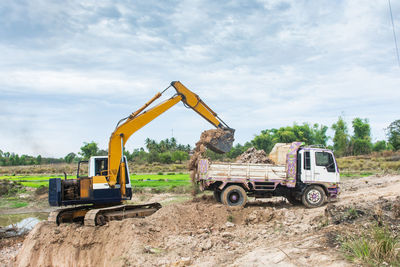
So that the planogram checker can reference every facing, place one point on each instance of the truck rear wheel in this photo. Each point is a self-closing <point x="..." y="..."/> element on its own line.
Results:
<point x="234" y="196"/>
<point x="313" y="197"/>
<point x="217" y="195"/>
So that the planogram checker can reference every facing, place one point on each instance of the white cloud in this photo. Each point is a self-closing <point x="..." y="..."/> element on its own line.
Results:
<point x="74" y="69"/>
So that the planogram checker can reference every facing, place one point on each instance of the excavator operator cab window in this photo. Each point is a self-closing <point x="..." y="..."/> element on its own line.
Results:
<point x="101" y="166"/>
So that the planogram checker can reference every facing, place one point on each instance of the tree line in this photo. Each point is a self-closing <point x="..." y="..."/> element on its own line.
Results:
<point x="170" y="151"/>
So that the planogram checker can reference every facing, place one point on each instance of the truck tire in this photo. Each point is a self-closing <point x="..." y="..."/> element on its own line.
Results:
<point x="217" y="195"/>
<point x="314" y="196"/>
<point x="292" y="199"/>
<point x="234" y="196"/>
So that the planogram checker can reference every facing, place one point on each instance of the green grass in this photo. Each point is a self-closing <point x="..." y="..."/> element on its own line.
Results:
<point x="138" y="180"/>
<point x="158" y="183"/>
<point x="356" y="174"/>
<point x="168" y="177"/>
<point x="36" y="184"/>
<point x="26" y="178"/>
<point x="12" y="203"/>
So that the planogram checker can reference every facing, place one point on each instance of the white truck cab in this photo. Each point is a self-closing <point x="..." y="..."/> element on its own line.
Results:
<point x="318" y="165"/>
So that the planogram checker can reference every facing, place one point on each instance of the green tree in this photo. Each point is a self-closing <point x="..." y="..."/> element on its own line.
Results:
<point x="305" y="133"/>
<point x="238" y="149"/>
<point x="380" y="146"/>
<point x="361" y="140"/>
<point x="70" y="157"/>
<point x="393" y="134"/>
<point x="341" y="138"/>
<point x="319" y="134"/>
<point x="165" y="157"/>
<point x="153" y="156"/>
<point x="102" y="152"/>
<point x="88" y="150"/>
<point x="265" y="140"/>
<point x="179" y="156"/>
<point x="39" y="160"/>
<point x="361" y="128"/>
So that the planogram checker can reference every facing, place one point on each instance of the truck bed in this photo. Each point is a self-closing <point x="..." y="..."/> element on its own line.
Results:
<point x="241" y="171"/>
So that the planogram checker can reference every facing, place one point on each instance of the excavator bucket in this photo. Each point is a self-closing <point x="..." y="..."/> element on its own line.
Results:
<point x="222" y="143"/>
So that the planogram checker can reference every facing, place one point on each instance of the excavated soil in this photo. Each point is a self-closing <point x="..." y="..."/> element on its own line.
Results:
<point x="202" y="232"/>
<point x="252" y="155"/>
<point x="207" y="138"/>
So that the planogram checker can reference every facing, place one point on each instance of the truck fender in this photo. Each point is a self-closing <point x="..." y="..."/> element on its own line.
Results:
<point x="245" y="185"/>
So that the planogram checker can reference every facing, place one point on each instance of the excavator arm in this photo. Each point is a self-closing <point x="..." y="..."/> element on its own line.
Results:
<point x="129" y="125"/>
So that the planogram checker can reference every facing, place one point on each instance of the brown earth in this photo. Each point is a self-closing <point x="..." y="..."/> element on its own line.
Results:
<point x="202" y="232"/>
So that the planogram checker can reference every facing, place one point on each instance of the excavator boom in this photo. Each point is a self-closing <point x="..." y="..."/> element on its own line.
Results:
<point x="140" y="118"/>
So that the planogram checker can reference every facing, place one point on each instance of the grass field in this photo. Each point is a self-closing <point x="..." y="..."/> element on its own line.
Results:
<point x="137" y="180"/>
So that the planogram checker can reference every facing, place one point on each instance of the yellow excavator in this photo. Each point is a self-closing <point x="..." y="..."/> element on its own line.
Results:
<point x="101" y="193"/>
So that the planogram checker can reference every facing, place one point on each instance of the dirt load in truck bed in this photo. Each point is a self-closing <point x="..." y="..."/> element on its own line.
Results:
<point x="252" y="155"/>
<point x="205" y="233"/>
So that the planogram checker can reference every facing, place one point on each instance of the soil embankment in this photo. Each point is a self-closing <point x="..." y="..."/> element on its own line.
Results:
<point x="205" y="233"/>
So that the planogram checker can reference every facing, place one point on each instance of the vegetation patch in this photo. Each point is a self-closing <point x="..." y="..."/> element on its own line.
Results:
<point x="374" y="246"/>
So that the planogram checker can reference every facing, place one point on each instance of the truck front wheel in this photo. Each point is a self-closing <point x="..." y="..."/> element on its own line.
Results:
<point x="313" y="197"/>
<point x="234" y="196"/>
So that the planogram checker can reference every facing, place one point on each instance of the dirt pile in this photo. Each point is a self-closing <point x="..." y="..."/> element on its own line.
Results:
<point x="252" y="155"/>
<point x="9" y="187"/>
<point x="176" y="233"/>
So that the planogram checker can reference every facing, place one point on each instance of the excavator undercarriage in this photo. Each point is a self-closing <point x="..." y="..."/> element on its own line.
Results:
<point x="92" y="215"/>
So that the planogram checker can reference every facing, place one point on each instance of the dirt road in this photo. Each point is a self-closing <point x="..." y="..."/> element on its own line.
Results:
<point x="205" y="233"/>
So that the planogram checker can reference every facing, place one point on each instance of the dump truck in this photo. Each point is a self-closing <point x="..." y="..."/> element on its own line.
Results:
<point x="303" y="174"/>
<point x="99" y="197"/>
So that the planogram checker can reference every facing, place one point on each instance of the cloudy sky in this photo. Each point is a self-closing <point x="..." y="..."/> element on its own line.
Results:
<point x="69" y="70"/>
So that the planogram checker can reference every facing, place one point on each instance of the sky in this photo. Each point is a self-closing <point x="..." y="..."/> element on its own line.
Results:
<point x="69" y="70"/>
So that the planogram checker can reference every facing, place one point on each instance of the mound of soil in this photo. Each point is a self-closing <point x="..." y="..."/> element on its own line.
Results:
<point x="9" y="187"/>
<point x="179" y="230"/>
<point x="252" y="155"/>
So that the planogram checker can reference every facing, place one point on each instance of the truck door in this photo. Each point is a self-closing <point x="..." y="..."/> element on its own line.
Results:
<point x="307" y="174"/>
<point x="325" y="167"/>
